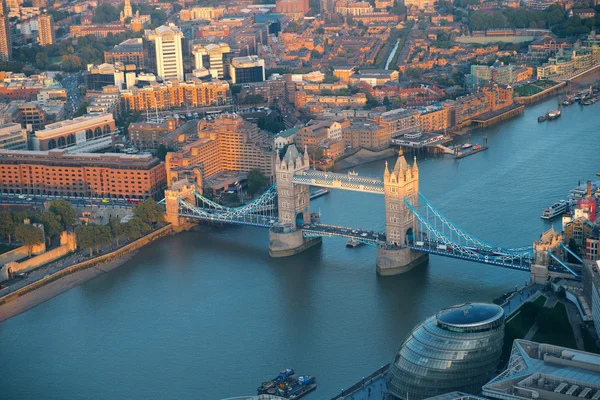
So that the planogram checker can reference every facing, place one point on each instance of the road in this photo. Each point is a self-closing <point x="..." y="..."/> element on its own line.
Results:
<point x="39" y="200"/>
<point x="72" y="84"/>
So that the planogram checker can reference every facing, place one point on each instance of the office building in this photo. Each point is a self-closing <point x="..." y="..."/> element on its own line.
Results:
<point x="117" y="74"/>
<point x="247" y="69"/>
<point x="98" y="30"/>
<point x="13" y="137"/>
<point x="216" y="58"/>
<point x="30" y="116"/>
<point x="59" y="173"/>
<point x="88" y="133"/>
<point x="227" y="143"/>
<point x="46" y="30"/>
<point x="5" y="36"/>
<point x="546" y="372"/>
<point x="131" y="51"/>
<point x="456" y="349"/>
<point x="295" y="9"/>
<point x="166" y="43"/>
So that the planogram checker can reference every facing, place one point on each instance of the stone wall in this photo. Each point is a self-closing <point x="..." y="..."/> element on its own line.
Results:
<point x="68" y="244"/>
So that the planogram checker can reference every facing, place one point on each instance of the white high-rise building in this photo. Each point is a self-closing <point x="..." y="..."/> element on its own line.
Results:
<point x="168" y="51"/>
<point x="213" y="57"/>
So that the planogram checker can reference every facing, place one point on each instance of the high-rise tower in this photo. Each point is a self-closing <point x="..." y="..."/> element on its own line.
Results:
<point x="5" y="38"/>
<point x="167" y="51"/>
<point x="46" y="30"/>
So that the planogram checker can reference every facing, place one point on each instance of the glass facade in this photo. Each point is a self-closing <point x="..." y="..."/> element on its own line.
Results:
<point x="456" y="349"/>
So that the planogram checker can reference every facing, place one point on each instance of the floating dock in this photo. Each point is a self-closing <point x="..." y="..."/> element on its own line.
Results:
<point x="470" y="153"/>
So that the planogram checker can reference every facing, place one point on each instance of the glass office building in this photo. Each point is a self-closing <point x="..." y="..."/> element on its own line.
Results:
<point x="457" y="349"/>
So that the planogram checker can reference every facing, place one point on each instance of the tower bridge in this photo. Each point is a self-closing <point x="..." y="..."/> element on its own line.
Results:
<point x="414" y="228"/>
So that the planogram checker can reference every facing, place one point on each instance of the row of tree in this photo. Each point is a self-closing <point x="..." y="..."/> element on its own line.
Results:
<point x="56" y="219"/>
<point x="146" y="214"/>
<point x="516" y="18"/>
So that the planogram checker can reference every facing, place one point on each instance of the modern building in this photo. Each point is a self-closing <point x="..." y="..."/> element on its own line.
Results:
<point x="5" y="35"/>
<point x="30" y="116"/>
<point x="216" y="58"/>
<point x="367" y="135"/>
<point x="247" y="69"/>
<point x="59" y="173"/>
<point x="166" y="43"/>
<point x="120" y="75"/>
<point x="131" y="51"/>
<point x="202" y="13"/>
<point x="13" y="137"/>
<point x="88" y="133"/>
<point x="457" y="349"/>
<point x="227" y="143"/>
<point x="46" y="30"/>
<point x="546" y="372"/>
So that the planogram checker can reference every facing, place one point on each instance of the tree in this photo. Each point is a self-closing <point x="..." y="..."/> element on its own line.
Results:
<point x="29" y="235"/>
<point x="149" y="212"/>
<point x="81" y="110"/>
<point x="136" y="228"/>
<point x="51" y="222"/>
<point x="105" y="13"/>
<point x="256" y="180"/>
<point x="66" y="212"/>
<point x="90" y="236"/>
<point x="315" y="54"/>
<point x="7" y="225"/>
<point x="117" y="229"/>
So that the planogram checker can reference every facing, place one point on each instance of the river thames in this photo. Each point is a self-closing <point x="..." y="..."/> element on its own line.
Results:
<point x="208" y="315"/>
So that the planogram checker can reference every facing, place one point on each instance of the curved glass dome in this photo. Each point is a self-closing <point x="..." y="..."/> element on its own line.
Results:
<point x="457" y="349"/>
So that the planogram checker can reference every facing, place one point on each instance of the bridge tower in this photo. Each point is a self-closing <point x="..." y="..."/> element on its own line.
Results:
<point x="401" y="183"/>
<point x="285" y="237"/>
<point x="548" y="242"/>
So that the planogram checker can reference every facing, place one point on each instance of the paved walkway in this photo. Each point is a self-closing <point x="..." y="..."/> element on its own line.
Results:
<point x="576" y="322"/>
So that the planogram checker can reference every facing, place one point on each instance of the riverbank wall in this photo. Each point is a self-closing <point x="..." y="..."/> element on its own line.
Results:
<point x="52" y="285"/>
<point x="538" y="97"/>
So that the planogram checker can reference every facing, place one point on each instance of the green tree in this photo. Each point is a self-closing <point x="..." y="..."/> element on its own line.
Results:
<point x="117" y="229"/>
<point x="52" y="225"/>
<point x="7" y="224"/>
<point x="86" y="237"/>
<point x="66" y="212"/>
<point x="29" y="235"/>
<point x="315" y="54"/>
<point x="136" y="228"/>
<point x="256" y="180"/>
<point x="105" y="13"/>
<point x="103" y="236"/>
<point x="81" y="110"/>
<point x="149" y="212"/>
<point x="253" y="99"/>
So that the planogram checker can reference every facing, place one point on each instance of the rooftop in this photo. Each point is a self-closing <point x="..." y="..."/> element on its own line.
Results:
<point x="543" y="371"/>
<point x="130" y="45"/>
<point x="469" y="314"/>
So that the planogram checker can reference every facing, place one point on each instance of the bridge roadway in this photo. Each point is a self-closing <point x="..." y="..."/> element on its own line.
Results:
<point x="369" y="237"/>
<point x="334" y="180"/>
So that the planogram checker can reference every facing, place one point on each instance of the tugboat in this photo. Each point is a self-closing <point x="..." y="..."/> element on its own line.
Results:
<point x="543" y="118"/>
<point x="288" y="386"/>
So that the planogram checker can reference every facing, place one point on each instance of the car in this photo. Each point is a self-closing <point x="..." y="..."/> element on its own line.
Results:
<point x="22" y="197"/>
<point x="354" y="231"/>
<point x="30" y="199"/>
<point x="105" y="200"/>
<point x="364" y="235"/>
<point x="306" y="226"/>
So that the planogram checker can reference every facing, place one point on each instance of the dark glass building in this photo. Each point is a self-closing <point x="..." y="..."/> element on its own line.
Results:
<point x="457" y="349"/>
<point x="247" y="69"/>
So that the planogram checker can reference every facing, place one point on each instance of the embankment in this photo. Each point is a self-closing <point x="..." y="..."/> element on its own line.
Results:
<point x="51" y="285"/>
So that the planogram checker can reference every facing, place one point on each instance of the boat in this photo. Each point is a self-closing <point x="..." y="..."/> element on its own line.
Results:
<point x="318" y="193"/>
<point x="543" y="118"/>
<point x="554" y="114"/>
<point x="555" y="209"/>
<point x="567" y="102"/>
<point x="597" y="173"/>
<point x="476" y="147"/>
<point x="466" y="146"/>
<point x="353" y="173"/>
<point x="352" y="243"/>
<point x="288" y="386"/>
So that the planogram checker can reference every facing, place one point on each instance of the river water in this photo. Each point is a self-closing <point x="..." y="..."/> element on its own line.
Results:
<point x="208" y="315"/>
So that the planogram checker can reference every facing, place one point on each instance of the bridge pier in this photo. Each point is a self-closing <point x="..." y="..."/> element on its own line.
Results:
<point x="396" y="261"/>
<point x="285" y="243"/>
